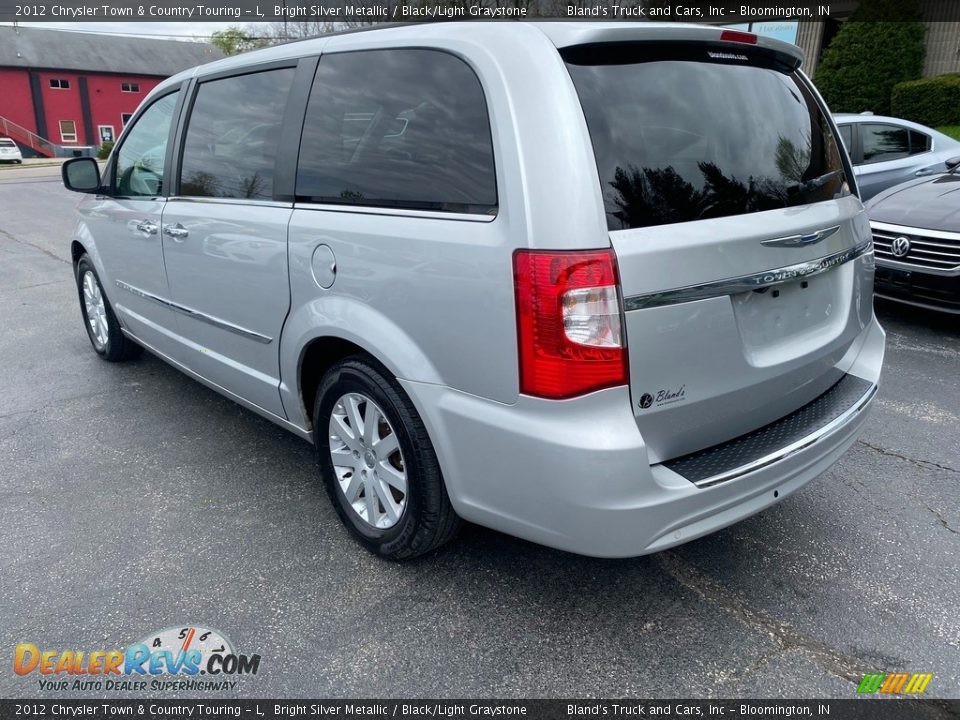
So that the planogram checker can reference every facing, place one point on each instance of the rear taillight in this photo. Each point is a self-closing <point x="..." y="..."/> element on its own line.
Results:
<point x="568" y="322"/>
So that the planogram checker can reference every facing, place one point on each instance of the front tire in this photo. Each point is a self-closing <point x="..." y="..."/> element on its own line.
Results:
<point x="378" y="464"/>
<point x="102" y="325"/>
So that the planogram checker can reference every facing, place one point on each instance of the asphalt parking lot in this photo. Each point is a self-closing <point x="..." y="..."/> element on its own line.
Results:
<point x="134" y="499"/>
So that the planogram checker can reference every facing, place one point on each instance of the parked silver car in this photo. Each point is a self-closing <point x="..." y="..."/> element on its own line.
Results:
<point x="506" y="272"/>
<point x="887" y="151"/>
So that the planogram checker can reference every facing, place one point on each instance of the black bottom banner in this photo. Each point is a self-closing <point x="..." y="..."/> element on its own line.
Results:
<point x="211" y="709"/>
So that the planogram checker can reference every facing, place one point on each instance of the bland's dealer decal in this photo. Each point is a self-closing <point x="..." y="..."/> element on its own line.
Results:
<point x="169" y="660"/>
<point x="665" y="396"/>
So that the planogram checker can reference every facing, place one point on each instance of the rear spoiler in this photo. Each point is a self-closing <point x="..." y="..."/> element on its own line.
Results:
<point x="565" y="36"/>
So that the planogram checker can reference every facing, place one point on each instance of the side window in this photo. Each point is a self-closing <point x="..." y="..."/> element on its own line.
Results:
<point x="846" y="136"/>
<point x="232" y="136"/>
<point x="140" y="160"/>
<point x="884" y="142"/>
<point x="919" y="143"/>
<point x="399" y="129"/>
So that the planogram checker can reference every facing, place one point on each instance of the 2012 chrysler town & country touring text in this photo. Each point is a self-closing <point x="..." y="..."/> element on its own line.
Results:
<point x="607" y="287"/>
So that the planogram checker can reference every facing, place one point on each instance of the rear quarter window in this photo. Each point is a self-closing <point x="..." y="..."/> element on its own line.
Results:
<point x="883" y="142"/>
<point x="400" y="129"/>
<point x="682" y="135"/>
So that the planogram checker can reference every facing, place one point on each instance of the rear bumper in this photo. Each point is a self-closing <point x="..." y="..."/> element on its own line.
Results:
<point x="574" y="475"/>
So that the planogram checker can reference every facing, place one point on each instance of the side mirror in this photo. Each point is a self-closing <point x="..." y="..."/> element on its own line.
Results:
<point x="81" y="175"/>
<point x="952" y="163"/>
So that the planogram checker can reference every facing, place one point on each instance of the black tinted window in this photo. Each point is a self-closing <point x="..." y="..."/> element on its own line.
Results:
<point x="680" y="135"/>
<point x="919" y="143"/>
<point x="884" y="142"/>
<point x="232" y="136"/>
<point x="397" y="128"/>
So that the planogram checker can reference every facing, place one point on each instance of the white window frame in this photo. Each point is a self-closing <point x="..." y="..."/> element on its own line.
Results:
<point x="59" y="85"/>
<point x="130" y="87"/>
<point x="125" y="119"/>
<point x="68" y="137"/>
<point x="113" y="132"/>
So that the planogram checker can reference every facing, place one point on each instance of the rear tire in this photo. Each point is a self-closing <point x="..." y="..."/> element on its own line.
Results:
<point x="102" y="326"/>
<point x="372" y="445"/>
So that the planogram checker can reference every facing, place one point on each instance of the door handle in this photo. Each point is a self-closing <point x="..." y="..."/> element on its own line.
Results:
<point x="145" y="226"/>
<point x="925" y="171"/>
<point x="178" y="232"/>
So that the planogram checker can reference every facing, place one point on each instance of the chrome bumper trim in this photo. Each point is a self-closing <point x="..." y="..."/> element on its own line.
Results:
<point x="792" y="448"/>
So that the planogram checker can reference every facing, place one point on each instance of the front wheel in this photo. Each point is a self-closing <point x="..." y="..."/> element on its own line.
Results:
<point x="378" y="464"/>
<point x="102" y="325"/>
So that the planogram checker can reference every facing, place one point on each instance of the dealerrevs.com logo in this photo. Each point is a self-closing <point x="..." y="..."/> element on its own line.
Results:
<point x="177" y="658"/>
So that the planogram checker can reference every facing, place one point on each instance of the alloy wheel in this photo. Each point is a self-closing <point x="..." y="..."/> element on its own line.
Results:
<point x="96" y="310"/>
<point x="366" y="457"/>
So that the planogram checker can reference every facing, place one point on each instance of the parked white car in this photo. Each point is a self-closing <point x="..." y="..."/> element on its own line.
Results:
<point x="9" y="151"/>
<point x="887" y="151"/>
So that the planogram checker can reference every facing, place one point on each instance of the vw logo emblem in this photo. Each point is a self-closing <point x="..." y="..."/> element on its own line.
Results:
<point x="900" y="247"/>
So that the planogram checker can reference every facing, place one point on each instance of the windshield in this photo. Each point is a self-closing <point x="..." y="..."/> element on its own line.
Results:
<point x="689" y="133"/>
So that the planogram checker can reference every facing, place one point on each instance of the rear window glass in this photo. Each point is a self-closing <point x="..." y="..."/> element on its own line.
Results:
<point x="689" y="133"/>
<point x="398" y="128"/>
<point x="7" y="143"/>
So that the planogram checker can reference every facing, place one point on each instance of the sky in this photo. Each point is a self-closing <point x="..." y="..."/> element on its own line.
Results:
<point x="178" y="30"/>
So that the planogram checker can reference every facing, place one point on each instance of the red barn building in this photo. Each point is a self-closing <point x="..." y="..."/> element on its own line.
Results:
<point x="69" y="89"/>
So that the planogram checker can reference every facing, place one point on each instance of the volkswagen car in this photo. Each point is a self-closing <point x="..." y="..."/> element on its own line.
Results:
<point x="916" y="238"/>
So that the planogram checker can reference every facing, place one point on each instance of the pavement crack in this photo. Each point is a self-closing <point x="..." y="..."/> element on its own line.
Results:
<point x="868" y="494"/>
<point x="34" y="246"/>
<point x="835" y="662"/>
<point x="923" y="464"/>
<point x="943" y="520"/>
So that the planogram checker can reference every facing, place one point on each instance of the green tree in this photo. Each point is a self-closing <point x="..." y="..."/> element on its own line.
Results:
<point x="235" y="40"/>
<point x="880" y="45"/>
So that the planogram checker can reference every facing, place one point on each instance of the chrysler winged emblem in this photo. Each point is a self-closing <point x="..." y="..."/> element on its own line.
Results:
<point x="811" y="238"/>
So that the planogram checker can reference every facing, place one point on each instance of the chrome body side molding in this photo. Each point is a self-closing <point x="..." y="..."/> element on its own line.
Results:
<point x="184" y="310"/>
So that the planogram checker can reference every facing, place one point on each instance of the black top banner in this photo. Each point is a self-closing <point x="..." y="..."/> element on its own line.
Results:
<point x="214" y="709"/>
<point x="359" y="12"/>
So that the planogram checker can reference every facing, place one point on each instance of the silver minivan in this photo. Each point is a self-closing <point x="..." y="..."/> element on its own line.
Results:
<point x="607" y="287"/>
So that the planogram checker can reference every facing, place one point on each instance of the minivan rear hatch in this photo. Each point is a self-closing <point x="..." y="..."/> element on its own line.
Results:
<point x="745" y="261"/>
